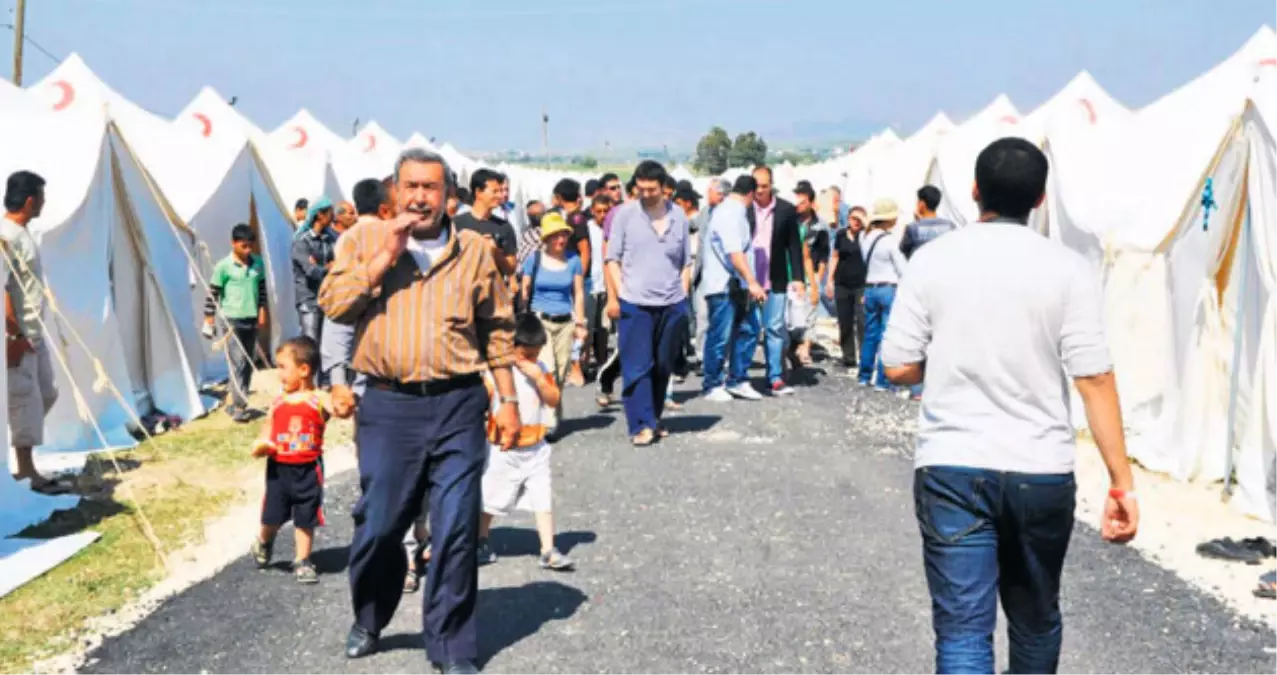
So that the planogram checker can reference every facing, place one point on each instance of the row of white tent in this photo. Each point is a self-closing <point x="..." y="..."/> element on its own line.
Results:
<point x="1191" y="297"/>
<point x="138" y="209"/>
<point x="140" y="206"/>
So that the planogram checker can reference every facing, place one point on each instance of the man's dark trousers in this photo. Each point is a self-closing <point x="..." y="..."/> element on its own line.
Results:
<point x="409" y="445"/>
<point x="650" y="339"/>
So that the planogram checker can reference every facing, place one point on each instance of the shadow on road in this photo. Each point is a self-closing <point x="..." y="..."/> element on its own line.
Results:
<point x="331" y="560"/>
<point x="684" y="424"/>
<point x="508" y="541"/>
<point x="594" y="422"/>
<point x="507" y="616"/>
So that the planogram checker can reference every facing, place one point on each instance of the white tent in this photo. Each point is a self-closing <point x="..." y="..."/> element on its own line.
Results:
<point x="114" y="264"/>
<point x="953" y="168"/>
<point x="1253" y="392"/>
<point x="297" y="155"/>
<point x="244" y="193"/>
<point x="1081" y="101"/>
<point x="904" y="170"/>
<point x="370" y="154"/>
<point x="863" y="168"/>
<point x="1128" y="195"/>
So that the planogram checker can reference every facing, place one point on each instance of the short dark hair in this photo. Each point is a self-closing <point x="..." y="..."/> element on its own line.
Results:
<point x="465" y="197"/>
<point x="567" y="190"/>
<point x="804" y="188"/>
<point x="608" y="178"/>
<point x="302" y="203"/>
<point x="688" y="196"/>
<point x="531" y="204"/>
<point x="303" y="350"/>
<point x="744" y="185"/>
<point x="369" y="194"/>
<point x="22" y="185"/>
<point x="479" y="181"/>
<point x="669" y="182"/>
<point x="1011" y="177"/>
<point x="601" y="198"/>
<point x="591" y="187"/>
<point x="242" y="232"/>
<point x="529" y="331"/>
<point x="763" y="167"/>
<point x="930" y="196"/>
<point x="649" y="170"/>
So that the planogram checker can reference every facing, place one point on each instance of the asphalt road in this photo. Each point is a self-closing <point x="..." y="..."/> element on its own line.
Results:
<point x="775" y="536"/>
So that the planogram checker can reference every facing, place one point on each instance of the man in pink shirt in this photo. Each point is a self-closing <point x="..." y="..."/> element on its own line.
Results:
<point x="778" y="266"/>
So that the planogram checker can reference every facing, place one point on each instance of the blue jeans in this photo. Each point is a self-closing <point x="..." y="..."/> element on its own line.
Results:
<point x="987" y="534"/>
<point x="878" y="301"/>
<point x="746" y="324"/>
<point x="776" y="335"/>
<point x="720" y="319"/>
<point x="649" y="341"/>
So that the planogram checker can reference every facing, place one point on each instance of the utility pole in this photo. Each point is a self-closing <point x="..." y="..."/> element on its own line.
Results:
<point x="19" y="35"/>
<point x="545" y="135"/>
<point x="354" y="127"/>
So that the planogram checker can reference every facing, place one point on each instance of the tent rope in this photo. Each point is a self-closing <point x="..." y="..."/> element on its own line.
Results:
<point x="82" y="408"/>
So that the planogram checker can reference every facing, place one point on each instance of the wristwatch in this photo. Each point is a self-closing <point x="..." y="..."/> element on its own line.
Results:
<point x="510" y="399"/>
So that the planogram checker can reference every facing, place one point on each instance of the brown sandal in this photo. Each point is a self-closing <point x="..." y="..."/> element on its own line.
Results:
<point x="643" y="438"/>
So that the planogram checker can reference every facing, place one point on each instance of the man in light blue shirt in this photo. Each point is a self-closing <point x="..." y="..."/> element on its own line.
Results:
<point x="649" y="272"/>
<point x="728" y="285"/>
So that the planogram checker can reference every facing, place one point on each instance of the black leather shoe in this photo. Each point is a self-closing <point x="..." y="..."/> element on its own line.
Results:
<point x="458" y="667"/>
<point x="360" y="643"/>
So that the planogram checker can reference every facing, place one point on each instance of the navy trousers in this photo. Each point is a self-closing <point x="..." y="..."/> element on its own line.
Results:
<point x="649" y="340"/>
<point x="411" y="446"/>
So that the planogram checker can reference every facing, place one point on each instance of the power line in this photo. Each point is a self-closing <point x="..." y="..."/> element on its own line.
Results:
<point x="39" y="47"/>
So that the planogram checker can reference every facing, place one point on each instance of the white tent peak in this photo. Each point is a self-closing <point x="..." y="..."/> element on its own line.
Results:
<point x="417" y="140"/>
<point x="372" y="137"/>
<point x="1082" y="100"/>
<point x="999" y="110"/>
<point x="938" y="125"/>
<point x="304" y="130"/>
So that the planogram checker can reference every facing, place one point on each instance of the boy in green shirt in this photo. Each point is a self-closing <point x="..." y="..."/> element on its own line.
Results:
<point x="238" y="289"/>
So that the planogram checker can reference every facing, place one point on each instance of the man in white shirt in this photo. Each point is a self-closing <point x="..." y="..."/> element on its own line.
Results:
<point x="999" y="318"/>
<point x="884" y="266"/>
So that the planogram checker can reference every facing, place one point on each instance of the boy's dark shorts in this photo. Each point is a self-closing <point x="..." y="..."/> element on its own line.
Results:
<point x="294" y="492"/>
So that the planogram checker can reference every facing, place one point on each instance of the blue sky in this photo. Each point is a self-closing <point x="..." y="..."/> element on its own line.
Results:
<point x="631" y="72"/>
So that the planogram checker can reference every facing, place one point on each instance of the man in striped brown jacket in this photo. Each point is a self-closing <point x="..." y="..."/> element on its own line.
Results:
<point x="431" y="313"/>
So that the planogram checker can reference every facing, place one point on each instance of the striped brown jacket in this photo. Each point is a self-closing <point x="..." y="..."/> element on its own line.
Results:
<point x="454" y="319"/>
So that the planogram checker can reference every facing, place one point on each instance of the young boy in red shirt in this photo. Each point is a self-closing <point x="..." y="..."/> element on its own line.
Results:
<point x="292" y="440"/>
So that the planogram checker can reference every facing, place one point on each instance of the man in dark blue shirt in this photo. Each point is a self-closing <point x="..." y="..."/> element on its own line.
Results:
<point x="927" y="225"/>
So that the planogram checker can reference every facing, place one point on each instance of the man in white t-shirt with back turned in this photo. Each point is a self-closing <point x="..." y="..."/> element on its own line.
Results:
<point x="1000" y="318"/>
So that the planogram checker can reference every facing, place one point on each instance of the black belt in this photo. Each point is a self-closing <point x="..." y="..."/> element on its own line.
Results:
<point x="427" y="388"/>
<point x="555" y="318"/>
<point x="884" y="284"/>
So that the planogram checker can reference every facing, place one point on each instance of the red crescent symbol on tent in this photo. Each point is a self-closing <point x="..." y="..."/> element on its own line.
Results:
<point x="206" y="123"/>
<point x="302" y="137"/>
<point x="68" y="95"/>
<point x="1090" y="109"/>
<point x="372" y="143"/>
<point x="1009" y="119"/>
<point x="1267" y="62"/>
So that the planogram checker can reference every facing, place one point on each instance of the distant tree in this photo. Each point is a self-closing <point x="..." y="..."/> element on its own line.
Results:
<point x="712" y="152"/>
<point x="589" y="162"/>
<point x="748" y="150"/>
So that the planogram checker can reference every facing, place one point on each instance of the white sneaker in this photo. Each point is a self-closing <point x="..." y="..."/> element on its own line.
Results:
<point x="746" y="391"/>
<point x="718" y="395"/>
<point x="782" y="389"/>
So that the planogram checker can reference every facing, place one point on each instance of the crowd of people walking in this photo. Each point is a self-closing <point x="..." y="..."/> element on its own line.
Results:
<point x="448" y="321"/>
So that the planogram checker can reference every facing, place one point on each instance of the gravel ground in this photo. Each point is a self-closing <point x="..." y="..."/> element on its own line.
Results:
<point x="775" y="536"/>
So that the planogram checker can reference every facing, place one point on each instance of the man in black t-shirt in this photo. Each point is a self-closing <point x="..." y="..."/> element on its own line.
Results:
<point x="485" y="187"/>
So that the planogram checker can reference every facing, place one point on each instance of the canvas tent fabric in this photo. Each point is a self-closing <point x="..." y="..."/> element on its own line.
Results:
<point x="298" y="156"/>
<point x="953" y="168"/>
<point x="115" y="267"/>
<point x="245" y="194"/>
<point x="370" y="154"/>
